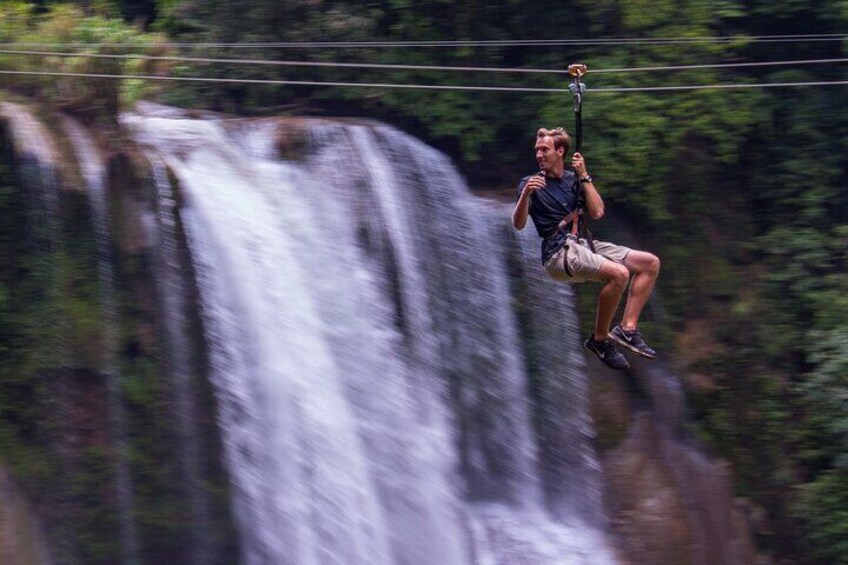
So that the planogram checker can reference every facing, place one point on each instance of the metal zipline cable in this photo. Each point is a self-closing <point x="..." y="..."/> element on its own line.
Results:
<point x="330" y="64"/>
<point x="796" y="38"/>
<point x="722" y="65"/>
<point x="425" y="86"/>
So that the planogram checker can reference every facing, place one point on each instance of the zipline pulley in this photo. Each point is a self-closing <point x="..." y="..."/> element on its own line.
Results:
<point x="577" y="88"/>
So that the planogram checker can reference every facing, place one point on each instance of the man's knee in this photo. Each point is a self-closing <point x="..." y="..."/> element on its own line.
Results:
<point x="643" y="262"/>
<point x="653" y="264"/>
<point x="622" y="275"/>
<point x="616" y="274"/>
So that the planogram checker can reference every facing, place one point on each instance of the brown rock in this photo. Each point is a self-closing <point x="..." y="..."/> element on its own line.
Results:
<point x="22" y="541"/>
<point x="646" y="511"/>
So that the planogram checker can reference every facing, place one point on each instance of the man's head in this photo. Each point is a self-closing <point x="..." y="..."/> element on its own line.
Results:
<point x="551" y="147"/>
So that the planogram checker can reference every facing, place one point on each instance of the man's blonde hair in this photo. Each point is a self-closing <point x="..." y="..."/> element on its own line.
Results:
<point x="559" y="135"/>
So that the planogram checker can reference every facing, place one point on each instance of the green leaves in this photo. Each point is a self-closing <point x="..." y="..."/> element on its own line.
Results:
<point x="66" y="23"/>
<point x="822" y="507"/>
<point x="826" y="388"/>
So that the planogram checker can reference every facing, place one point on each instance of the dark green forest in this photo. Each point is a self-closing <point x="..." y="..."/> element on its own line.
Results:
<point x="742" y="192"/>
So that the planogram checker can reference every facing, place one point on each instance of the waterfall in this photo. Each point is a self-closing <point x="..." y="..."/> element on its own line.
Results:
<point x="93" y="170"/>
<point x="569" y="468"/>
<point x="37" y="165"/>
<point x="373" y="386"/>
<point x="38" y="162"/>
<point x="174" y="297"/>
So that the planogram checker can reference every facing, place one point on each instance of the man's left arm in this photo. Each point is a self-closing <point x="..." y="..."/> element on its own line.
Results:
<point x="594" y="202"/>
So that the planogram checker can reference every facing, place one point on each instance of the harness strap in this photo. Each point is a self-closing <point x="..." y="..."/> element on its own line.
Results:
<point x="587" y="235"/>
<point x="578" y="227"/>
<point x="573" y="218"/>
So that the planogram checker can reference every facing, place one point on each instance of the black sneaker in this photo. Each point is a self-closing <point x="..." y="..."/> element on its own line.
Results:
<point x="607" y="352"/>
<point x="632" y="341"/>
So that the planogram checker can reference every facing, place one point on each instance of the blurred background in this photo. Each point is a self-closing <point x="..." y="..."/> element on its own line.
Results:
<point x="260" y="300"/>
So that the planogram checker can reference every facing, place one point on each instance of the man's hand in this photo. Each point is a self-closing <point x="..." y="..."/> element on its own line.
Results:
<point x="522" y="207"/>
<point x="594" y="202"/>
<point x="534" y="183"/>
<point x="579" y="164"/>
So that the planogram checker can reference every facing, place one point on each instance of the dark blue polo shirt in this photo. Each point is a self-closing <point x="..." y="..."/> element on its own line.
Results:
<point x="548" y="207"/>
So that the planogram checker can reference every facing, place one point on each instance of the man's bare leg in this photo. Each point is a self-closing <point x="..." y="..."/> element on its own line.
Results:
<point x="614" y="277"/>
<point x="646" y="267"/>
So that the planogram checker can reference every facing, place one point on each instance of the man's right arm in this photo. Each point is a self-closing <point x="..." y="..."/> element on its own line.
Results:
<point x="522" y="207"/>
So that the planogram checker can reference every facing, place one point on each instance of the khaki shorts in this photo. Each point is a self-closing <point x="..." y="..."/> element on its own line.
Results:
<point x="575" y="262"/>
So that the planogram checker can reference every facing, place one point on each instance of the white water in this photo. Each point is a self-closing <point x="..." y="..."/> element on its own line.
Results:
<point x="38" y="165"/>
<point x="369" y="371"/>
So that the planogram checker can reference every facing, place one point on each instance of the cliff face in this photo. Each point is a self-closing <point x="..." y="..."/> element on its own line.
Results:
<point x="668" y="501"/>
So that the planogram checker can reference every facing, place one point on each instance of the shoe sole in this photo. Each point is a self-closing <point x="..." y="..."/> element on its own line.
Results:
<point x="629" y="347"/>
<point x="602" y="360"/>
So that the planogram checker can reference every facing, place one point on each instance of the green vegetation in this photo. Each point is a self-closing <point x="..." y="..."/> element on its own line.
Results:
<point x="743" y="193"/>
<point x="36" y="27"/>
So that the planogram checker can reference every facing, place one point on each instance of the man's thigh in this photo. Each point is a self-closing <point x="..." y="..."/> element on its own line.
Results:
<point x="641" y="262"/>
<point x="614" y="252"/>
<point x="576" y="263"/>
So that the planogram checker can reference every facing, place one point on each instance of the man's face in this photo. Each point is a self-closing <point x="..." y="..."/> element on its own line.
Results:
<point x="546" y="155"/>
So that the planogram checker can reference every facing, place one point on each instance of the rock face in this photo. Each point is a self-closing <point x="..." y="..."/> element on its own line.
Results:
<point x="21" y="540"/>
<point x="644" y="503"/>
<point x="668" y="502"/>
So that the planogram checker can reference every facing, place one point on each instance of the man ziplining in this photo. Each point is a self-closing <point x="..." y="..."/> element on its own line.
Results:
<point x="550" y="198"/>
<point x="554" y="198"/>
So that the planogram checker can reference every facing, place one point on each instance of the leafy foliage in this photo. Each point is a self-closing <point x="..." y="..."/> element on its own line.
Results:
<point x="65" y="23"/>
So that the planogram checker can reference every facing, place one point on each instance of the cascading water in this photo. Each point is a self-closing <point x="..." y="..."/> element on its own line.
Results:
<point x="373" y="392"/>
<point x="35" y="154"/>
<point x="173" y="292"/>
<point x="569" y="468"/>
<point x="94" y="175"/>
<point x="37" y="162"/>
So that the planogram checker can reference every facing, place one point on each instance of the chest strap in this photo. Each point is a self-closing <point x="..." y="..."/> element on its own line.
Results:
<point x="578" y="227"/>
<point x="573" y="218"/>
